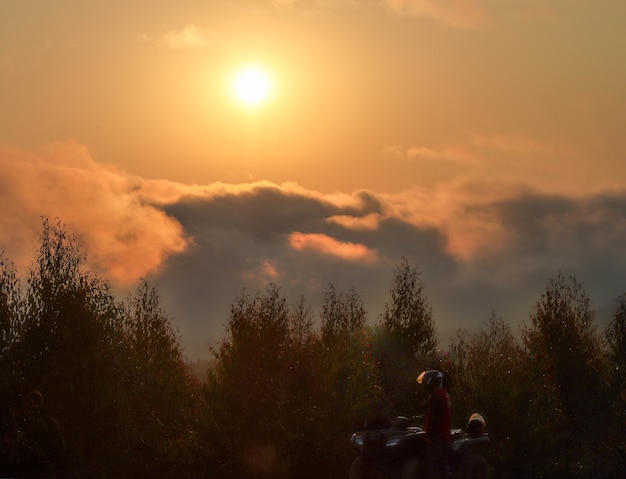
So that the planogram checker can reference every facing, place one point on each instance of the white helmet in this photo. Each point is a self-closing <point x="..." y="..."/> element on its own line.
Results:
<point x="431" y="378"/>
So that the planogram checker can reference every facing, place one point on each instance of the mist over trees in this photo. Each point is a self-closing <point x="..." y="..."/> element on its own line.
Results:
<point x="282" y="396"/>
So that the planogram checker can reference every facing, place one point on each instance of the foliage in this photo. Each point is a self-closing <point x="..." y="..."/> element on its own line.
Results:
<point x="408" y="315"/>
<point x="161" y="391"/>
<point x="490" y="378"/>
<point x="570" y="401"/>
<point x="290" y="392"/>
<point x="9" y="305"/>
<point x="616" y="337"/>
<point x="258" y="382"/>
<point x="342" y="314"/>
<point x="405" y="340"/>
<point x="281" y="398"/>
<point x="349" y="375"/>
<point x="66" y="346"/>
<point x="67" y="336"/>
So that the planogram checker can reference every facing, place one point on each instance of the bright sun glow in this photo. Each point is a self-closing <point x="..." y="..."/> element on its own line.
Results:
<point x="252" y="86"/>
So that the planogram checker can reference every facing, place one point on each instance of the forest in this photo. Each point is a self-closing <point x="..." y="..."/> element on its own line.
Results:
<point x="285" y="387"/>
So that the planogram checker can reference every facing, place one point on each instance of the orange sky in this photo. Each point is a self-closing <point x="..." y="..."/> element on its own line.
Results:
<point x="488" y="132"/>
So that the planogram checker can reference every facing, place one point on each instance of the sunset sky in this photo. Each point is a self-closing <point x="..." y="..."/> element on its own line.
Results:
<point x="483" y="140"/>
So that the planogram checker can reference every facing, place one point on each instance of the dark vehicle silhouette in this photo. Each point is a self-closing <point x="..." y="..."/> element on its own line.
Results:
<point x="396" y="449"/>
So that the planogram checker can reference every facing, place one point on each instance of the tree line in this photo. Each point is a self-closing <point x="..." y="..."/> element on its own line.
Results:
<point x="285" y="388"/>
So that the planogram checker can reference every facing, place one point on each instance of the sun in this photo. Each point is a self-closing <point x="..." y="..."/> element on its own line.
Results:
<point x="252" y="85"/>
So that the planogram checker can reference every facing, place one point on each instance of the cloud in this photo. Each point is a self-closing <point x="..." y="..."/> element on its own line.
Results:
<point x="461" y="14"/>
<point x="327" y="245"/>
<point x="479" y="243"/>
<point x="265" y="272"/>
<point x="125" y="237"/>
<point x="367" y="222"/>
<point x="452" y="13"/>
<point x="477" y="13"/>
<point x="189" y="37"/>
<point x="471" y="159"/>
<point x="479" y="246"/>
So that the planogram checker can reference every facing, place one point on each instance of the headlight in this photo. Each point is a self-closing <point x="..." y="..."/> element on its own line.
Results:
<point x="392" y="442"/>
<point x="357" y="440"/>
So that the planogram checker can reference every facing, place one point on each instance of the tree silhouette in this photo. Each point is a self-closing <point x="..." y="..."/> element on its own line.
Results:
<point x="570" y="398"/>
<point x="490" y="377"/>
<point x="616" y="367"/>
<point x="405" y="341"/>
<point x="349" y="375"/>
<point x="67" y="346"/>
<point x="408" y="315"/>
<point x="106" y="376"/>
<point x="255" y="381"/>
<point x="616" y="337"/>
<point x="9" y="304"/>
<point x="281" y="397"/>
<point x="161" y="393"/>
<point x="342" y="314"/>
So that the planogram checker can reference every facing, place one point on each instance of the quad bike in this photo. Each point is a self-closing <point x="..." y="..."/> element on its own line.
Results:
<point x="397" y="449"/>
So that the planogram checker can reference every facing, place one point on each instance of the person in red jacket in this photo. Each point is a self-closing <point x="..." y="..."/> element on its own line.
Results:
<point x="438" y="422"/>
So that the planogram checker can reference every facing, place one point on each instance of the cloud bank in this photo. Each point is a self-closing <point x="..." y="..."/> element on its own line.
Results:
<point x="125" y="237"/>
<point x="479" y="244"/>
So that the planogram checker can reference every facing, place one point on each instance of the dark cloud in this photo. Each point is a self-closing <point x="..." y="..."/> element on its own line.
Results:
<point x="544" y="235"/>
<point x="262" y="214"/>
<point x="241" y="241"/>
